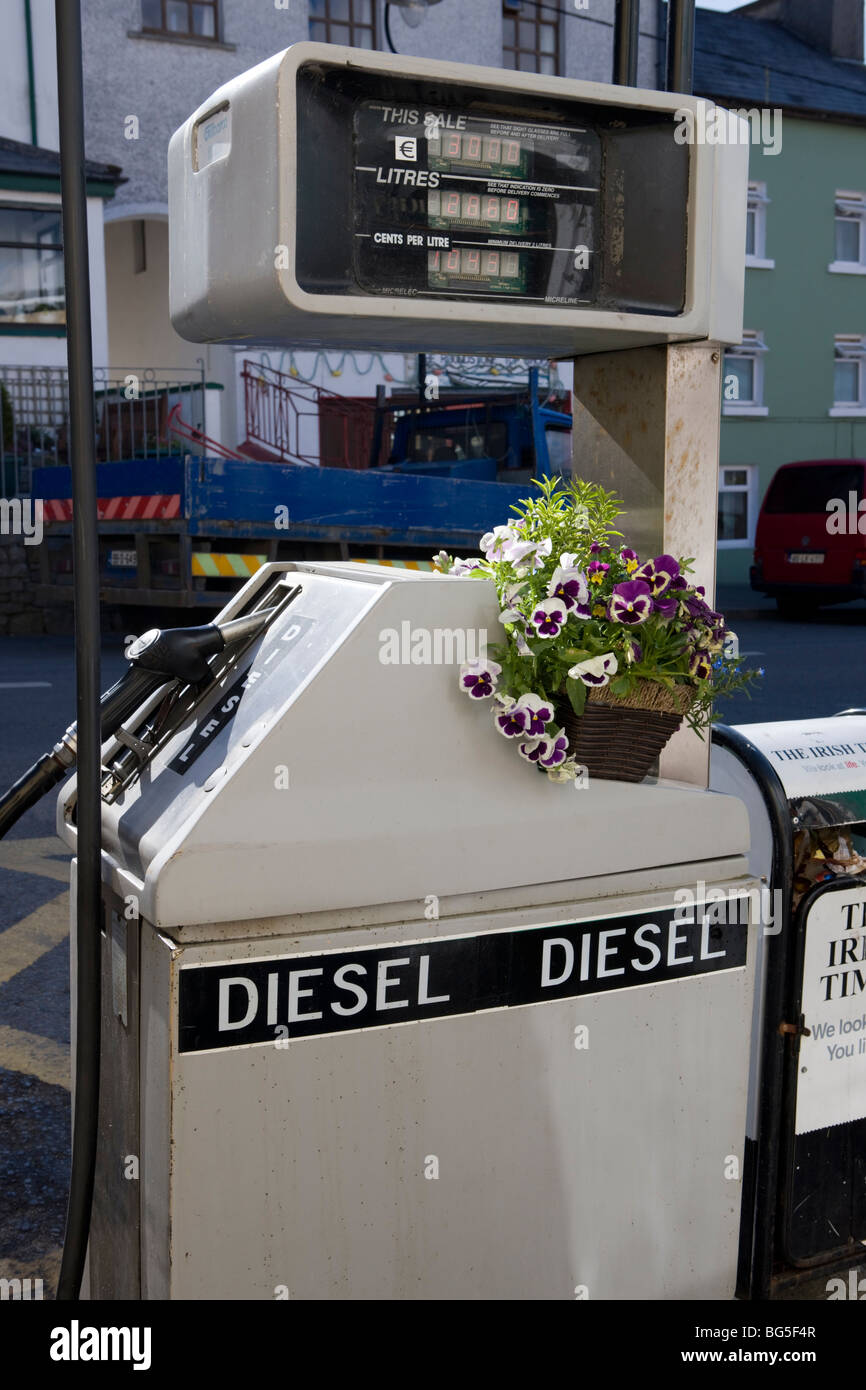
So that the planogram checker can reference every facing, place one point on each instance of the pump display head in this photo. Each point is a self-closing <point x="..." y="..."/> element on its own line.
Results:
<point x="328" y="197"/>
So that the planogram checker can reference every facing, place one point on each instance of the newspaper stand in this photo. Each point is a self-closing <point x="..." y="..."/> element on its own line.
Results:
<point x="804" y="784"/>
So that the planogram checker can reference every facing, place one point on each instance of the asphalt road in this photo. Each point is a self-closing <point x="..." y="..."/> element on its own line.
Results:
<point x="812" y="669"/>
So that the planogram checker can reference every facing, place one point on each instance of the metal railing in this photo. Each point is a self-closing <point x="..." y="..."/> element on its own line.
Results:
<point x="131" y="413"/>
<point x="294" y="421"/>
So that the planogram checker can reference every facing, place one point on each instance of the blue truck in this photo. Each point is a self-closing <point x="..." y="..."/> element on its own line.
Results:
<point x="181" y="531"/>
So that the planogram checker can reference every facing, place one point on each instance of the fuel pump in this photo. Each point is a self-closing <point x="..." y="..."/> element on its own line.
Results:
<point x="351" y="958"/>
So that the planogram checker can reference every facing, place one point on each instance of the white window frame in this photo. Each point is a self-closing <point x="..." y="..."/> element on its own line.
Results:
<point x="851" y="347"/>
<point x="753" y="347"/>
<point x="850" y="207"/>
<point x="750" y="488"/>
<point x="757" y="205"/>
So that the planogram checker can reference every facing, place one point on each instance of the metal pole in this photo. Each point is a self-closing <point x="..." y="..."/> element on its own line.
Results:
<point x="626" y="39"/>
<point x="86" y="577"/>
<point x="422" y="376"/>
<point x="681" y="45"/>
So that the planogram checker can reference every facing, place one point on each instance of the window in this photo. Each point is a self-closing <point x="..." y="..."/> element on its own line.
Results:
<point x="850" y="235"/>
<point x="31" y="266"/>
<point x="530" y="36"/>
<point x="351" y="22"/>
<point x="743" y="384"/>
<point x="192" y="19"/>
<point x="756" y="228"/>
<point x="803" y="491"/>
<point x="849" y="375"/>
<point x="737" y="506"/>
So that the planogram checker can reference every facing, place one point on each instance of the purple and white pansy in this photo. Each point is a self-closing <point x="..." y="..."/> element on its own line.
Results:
<point x="478" y="678"/>
<point x="527" y="717"/>
<point x="630" y="602"/>
<point x="596" y="671"/>
<point x="461" y="567"/>
<point x="659" y="573"/>
<point x="549" y="616"/>
<point x="497" y="543"/>
<point x="548" y="752"/>
<point x="569" y="584"/>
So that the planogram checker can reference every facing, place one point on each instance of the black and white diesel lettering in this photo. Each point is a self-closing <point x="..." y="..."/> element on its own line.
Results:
<point x="376" y="986"/>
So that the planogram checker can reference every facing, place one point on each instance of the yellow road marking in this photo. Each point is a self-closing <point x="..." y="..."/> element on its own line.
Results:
<point x="45" y="1267"/>
<point x="34" y="1056"/>
<point x="32" y="857"/>
<point x="23" y="944"/>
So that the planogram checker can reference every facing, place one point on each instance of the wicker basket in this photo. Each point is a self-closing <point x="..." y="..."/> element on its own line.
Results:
<point x="620" y="739"/>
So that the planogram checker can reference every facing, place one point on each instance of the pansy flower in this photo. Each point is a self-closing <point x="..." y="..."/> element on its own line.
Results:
<point x="700" y="666"/>
<point x="464" y="566"/>
<point x="510" y="719"/>
<point x="478" y="678"/>
<point x="570" y="586"/>
<point x="547" y="751"/>
<point x="630" y="603"/>
<point x="665" y="607"/>
<point x="596" y="570"/>
<point x="539" y="713"/>
<point x="442" y="562"/>
<point x="659" y="573"/>
<point x="554" y="750"/>
<point x="549" y="616"/>
<point x="630" y="559"/>
<point x="596" y="671"/>
<point x="497" y="542"/>
<point x="633" y="652"/>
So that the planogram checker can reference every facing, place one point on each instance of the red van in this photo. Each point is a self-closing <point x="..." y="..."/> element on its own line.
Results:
<point x="810" y="544"/>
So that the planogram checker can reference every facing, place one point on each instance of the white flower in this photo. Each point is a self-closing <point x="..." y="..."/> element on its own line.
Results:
<point x="596" y="671"/>
<point x="497" y="542"/>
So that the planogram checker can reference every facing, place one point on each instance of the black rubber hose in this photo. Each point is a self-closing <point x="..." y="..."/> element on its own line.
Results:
<point x="82" y="451"/>
<point x="37" y="780"/>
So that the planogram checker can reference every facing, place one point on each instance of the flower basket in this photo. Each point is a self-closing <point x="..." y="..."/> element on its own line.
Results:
<point x="620" y="739"/>
<point x="603" y="657"/>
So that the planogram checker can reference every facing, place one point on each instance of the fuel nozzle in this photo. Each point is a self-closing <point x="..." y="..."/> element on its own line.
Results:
<point x="157" y="658"/>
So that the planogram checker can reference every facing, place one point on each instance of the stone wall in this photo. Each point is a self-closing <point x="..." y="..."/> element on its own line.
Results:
<point x="20" y="613"/>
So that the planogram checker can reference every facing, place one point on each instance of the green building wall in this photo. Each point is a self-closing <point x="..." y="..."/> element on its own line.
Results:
<point x="799" y="307"/>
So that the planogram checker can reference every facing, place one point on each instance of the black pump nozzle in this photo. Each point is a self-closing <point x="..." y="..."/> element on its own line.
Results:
<point x="157" y="658"/>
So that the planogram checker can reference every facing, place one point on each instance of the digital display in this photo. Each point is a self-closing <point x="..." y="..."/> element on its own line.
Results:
<point x="448" y="201"/>
<point x="438" y="190"/>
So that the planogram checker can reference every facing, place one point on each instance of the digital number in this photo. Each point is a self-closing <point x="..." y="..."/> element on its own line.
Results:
<point x="472" y="147"/>
<point x="491" y="209"/>
<point x="452" y="261"/>
<point x="510" y="263"/>
<point x="491" y="262"/>
<point x="452" y="146"/>
<point x="493" y="151"/>
<point x="451" y="207"/>
<point x="433" y="260"/>
<point x="471" y="205"/>
<point x="510" y="152"/>
<point x="512" y="210"/>
<point x="470" y="262"/>
<point x="434" y="202"/>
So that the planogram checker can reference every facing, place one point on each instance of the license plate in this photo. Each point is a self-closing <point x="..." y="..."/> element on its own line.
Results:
<point x="122" y="559"/>
<point x="806" y="557"/>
